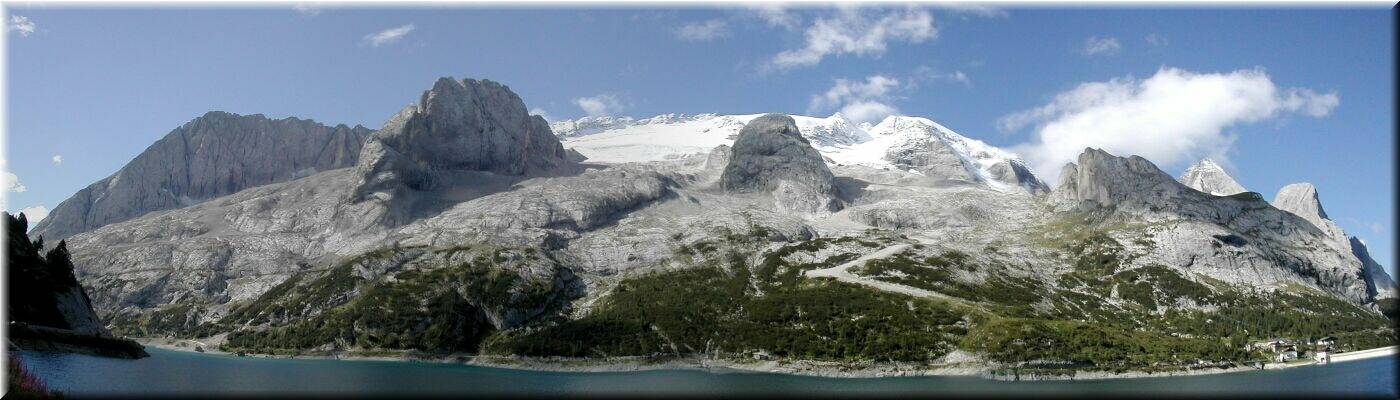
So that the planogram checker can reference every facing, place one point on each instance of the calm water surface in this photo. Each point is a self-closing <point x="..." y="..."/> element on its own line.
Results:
<point x="173" y="372"/>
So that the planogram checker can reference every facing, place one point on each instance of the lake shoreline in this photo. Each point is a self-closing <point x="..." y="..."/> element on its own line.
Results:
<point x="800" y="368"/>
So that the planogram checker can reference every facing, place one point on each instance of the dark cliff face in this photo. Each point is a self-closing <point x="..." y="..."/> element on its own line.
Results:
<point x="42" y="288"/>
<point x="211" y="156"/>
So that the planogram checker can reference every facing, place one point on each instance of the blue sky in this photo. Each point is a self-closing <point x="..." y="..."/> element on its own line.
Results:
<point x="1278" y="96"/>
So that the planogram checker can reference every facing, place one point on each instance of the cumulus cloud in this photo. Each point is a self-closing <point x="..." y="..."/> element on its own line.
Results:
<point x="858" y="101"/>
<point x="600" y="105"/>
<point x="1107" y="46"/>
<point x="1173" y="117"/>
<point x="703" y="31"/>
<point x="34" y="213"/>
<point x="857" y="31"/>
<point x="57" y="159"/>
<point x="21" y="25"/>
<point x="388" y="36"/>
<point x="10" y="182"/>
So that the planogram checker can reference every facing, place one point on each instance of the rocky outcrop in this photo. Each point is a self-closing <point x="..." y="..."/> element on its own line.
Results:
<point x="771" y="156"/>
<point x="467" y="125"/>
<point x="932" y="158"/>
<point x="1379" y="284"/>
<point x="1208" y="177"/>
<point x="924" y="146"/>
<point x="1302" y="200"/>
<point x="1016" y="173"/>
<point x="43" y="290"/>
<point x="1273" y="246"/>
<point x="211" y="156"/>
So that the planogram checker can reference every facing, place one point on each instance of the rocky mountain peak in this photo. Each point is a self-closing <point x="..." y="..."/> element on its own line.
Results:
<point x="1107" y="180"/>
<point x="466" y="125"/>
<point x="1379" y="284"/>
<point x="216" y="154"/>
<point x="771" y="155"/>
<point x="1209" y="177"/>
<point x="1301" y="200"/>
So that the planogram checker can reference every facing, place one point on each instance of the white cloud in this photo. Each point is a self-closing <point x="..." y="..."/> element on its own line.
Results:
<point x="10" y="182"/>
<point x="1175" y="116"/>
<point x="774" y="14"/>
<point x="600" y="105"/>
<point x="388" y="36"/>
<point x="540" y="112"/>
<point x="21" y="24"/>
<point x="57" y="159"/>
<point x="977" y="9"/>
<point x="307" y="9"/>
<point x="703" y="31"/>
<point x="1107" y="46"/>
<point x="926" y="74"/>
<point x="35" y="213"/>
<point x="855" y="31"/>
<point x="1156" y="40"/>
<point x="859" y="101"/>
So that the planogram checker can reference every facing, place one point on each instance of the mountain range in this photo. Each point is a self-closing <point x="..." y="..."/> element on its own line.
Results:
<point x="465" y="224"/>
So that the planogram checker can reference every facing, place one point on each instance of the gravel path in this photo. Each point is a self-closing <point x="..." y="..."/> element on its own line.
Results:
<point x="842" y="273"/>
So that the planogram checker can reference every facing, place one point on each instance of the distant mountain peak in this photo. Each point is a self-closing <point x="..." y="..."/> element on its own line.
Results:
<point x="1209" y="177"/>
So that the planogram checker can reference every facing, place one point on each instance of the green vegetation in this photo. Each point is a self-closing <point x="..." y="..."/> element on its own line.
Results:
<point x="440" y="309"/>
<point x="721" y="309"/>
<point x="1370" y="339"/>
<point x="1011" y="295"/>
<point x="1098" y="346"/>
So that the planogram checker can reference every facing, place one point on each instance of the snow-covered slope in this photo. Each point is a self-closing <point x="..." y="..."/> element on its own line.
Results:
<point x="913" y="144"/>
<point x="1209" y="177"/>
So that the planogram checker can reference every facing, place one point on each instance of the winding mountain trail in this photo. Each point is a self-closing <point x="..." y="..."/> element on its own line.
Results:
<point x="842" y="273"/>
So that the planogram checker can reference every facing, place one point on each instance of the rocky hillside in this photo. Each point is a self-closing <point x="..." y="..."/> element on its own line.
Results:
<point x="212" y="156"/>
<point x="466" y="226"/>
<point x="47" y="309"/>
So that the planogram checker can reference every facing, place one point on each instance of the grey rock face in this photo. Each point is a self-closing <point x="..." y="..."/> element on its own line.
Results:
<point x="1014" y="172"/>
<point x="931" y="157"/>
<point x="1277" y="247"/>
<point x="771" y="156"/>
<point x="469" y="125"/>
<point x="1208" y="177"/>
<point x="1302" y="200"/>
<point x="1378" y="283"/>
<point x="211" y="156"/>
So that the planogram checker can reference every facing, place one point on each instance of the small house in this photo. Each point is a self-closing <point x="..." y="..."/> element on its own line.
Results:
<point x="1323" y="355"/>
<point x="1287" y="354"/>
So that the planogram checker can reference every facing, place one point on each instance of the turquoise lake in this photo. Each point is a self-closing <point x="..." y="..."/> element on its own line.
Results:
<point x="169" y="372"/>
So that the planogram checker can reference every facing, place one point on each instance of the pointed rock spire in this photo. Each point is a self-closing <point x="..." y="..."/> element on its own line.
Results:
<point x="1209" y="177"/>
<point x="1301" y="200"/>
